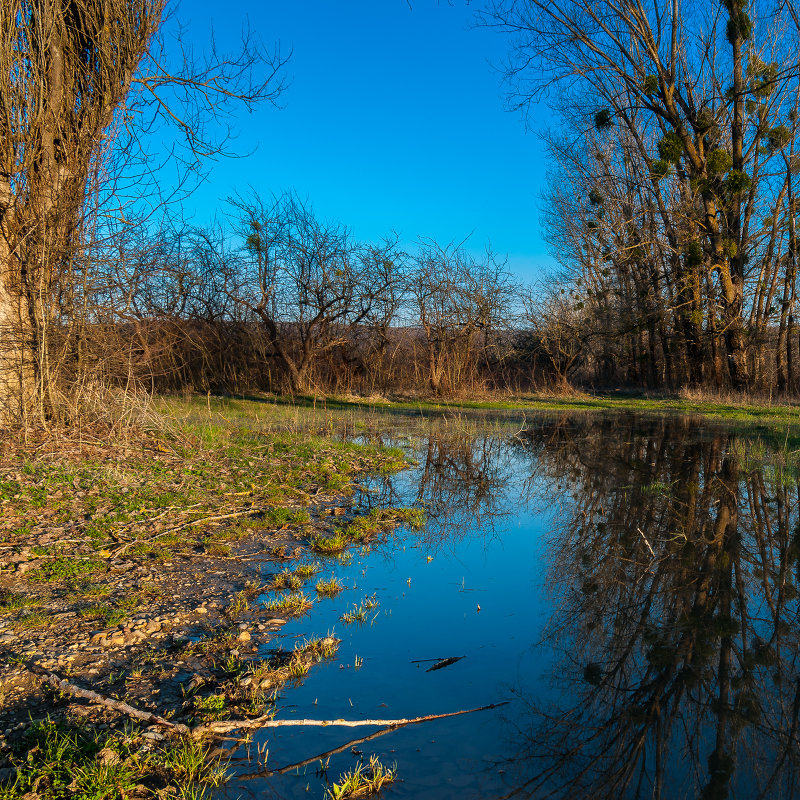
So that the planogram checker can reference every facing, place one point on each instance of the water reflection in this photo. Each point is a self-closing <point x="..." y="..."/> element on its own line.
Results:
<point x="674" y="568"/>
<point x="664" y="554"/>
<point x="462" y="481"/>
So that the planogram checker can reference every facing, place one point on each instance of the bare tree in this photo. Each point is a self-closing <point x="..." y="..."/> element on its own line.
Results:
<point x="309" y="283"/>
<point x="73" y="73"/>
<point x="703" y="99"/>
<point x="458" y="301"/>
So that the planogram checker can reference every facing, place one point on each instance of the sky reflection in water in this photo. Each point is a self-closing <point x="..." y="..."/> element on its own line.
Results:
<point x="636" y="579"/>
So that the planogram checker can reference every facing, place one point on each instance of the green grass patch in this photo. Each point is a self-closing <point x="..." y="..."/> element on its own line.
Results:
<point x="65" y="568"/>
<point x="294" y="604"/>
<point x="361" y="781"/>
<point x="11" y="602"/>
<point x="360" y="612"/>
<point x="329" y="588"/>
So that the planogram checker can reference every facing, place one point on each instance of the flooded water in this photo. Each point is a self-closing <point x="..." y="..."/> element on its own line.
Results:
<point x="627" y="586"/>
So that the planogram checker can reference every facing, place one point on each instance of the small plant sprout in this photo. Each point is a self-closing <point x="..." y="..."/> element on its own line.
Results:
<point x="359" y="662"/>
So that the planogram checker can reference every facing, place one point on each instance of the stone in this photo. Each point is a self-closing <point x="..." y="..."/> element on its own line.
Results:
<point x="7" y="774"/>
<point x="99" y="638"/>
<point x="244" y="636"/>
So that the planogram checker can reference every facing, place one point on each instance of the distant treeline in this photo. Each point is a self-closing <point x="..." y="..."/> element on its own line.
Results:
<point x="285" y="302"/>
<point x="671" y="209"/>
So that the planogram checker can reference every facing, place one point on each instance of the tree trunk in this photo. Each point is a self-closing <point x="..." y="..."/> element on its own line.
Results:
<point x="17" y="373"/>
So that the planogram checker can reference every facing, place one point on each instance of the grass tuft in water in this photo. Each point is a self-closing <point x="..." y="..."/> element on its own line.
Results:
<point x="360" y="612"/>
<point x="362" y="780"/>
<point x="329" y="588"/>
<point x="294" y="603"/>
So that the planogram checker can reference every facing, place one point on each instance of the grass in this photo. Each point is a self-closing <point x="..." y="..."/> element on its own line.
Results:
<point x="11" y="602"/>
<point x="382" y="519"/>
<point x="360" y="612"/>
<point x="286" y="579"/>
<point x="65" y="568"/>
<point x="260" y="678"/>
<point x="362" y="780"/>
<point x="307" y="571"/>
<point x="64" y="761"/>
<point x="577" y="400"/>
<point x="107" y="614"/>
<point x="210" y="708"/>
<point x="329" y="588"/>
<point x="33" y="619"/>
<point x="239" y="605"/>
<point x="201" y="466"/>
<point x="364" y="527"/>
<point x="329" y="544"/>
<point x="294" y="604"/>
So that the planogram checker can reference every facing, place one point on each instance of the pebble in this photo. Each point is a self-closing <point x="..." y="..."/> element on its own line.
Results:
<point x="244" y="636"/>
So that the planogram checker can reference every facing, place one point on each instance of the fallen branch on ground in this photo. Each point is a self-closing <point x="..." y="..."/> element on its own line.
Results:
<point x="107" y="702"/>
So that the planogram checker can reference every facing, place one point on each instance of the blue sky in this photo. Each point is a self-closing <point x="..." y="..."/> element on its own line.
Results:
<point x="393" y="120"/>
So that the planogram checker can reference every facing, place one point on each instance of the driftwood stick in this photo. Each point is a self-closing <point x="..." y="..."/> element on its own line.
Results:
<point x="218" y="728"/>
<point x="328" y="753"/>
<point x="267" y="722"/>
<point x="115" y="705"/>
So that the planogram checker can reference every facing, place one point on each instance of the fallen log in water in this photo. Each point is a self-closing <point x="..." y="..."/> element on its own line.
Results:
<point x="226" y="726"/>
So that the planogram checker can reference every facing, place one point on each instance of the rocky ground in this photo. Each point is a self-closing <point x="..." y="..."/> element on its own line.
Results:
<point x="138" y="573"/>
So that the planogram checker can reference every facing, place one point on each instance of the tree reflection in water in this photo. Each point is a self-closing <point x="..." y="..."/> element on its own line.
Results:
<point x="465" y="471"/>
<point x="675" y="566"/>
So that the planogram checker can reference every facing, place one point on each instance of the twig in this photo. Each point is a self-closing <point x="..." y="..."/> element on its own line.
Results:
<point x="217" y="728"/>
<point x="652" y="552"/>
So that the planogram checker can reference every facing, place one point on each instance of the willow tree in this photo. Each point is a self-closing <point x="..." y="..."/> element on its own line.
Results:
<point x="82" y="85"/>
<point x="66" y="68"/>
<point x="706" y="94"/>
